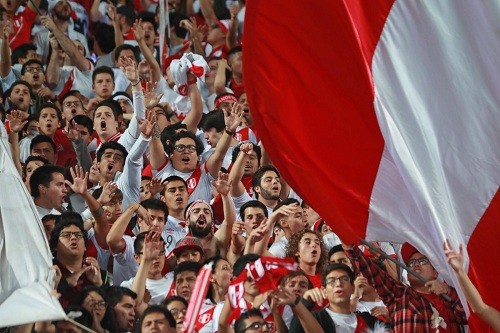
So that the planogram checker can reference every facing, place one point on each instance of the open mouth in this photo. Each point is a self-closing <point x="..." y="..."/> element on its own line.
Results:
<point x="103" y="125"/>
<point x="314" y="252"/>
<point x="178" y="200"/>
<point x="36" y="76"/>
<point x="186" y="159"/>
<point x="147" y="36"/>
<point x="201" y="221"/>
<point x="275" y="188"/>
<point x="110" y="167"/>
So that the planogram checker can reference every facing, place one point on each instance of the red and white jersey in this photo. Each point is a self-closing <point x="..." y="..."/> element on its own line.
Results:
<point x="22" y="24"/>
<point x="103" y="255"/>
<point x="245" y="134"/>
<point x="173" y="231"/>
<point x="204" y="322"/>
<point x="199" y="187"/>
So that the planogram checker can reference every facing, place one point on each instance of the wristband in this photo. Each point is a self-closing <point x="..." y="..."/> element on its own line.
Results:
<point x="191" y="81"/>
<point x="134" y="84"/>
<point x="229" y="132"/>
<point x="297" y="301"/>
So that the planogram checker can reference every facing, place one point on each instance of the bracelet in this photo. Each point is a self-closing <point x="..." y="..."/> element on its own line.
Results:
<point x="192" y="81"/>
<point x="297" y="301"/>
<point x="134" y="84"/>
<point x="98" y="212"/>
<point x="229" y="132"/>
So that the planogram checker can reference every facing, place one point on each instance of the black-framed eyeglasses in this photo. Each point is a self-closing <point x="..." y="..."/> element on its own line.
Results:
<point x="420" y="261"/>
<point x="69" y="104"/>
<point x="99" y="304"/>
<point x="343" y="279"/>
<point x="32" y="69"/>
<point x="259" y="326"/>
<point x="180" y="148"/>
<point x="68" y="234"/>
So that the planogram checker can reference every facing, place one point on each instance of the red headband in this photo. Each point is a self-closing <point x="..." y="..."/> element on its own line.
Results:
<point x="224" y="98"/>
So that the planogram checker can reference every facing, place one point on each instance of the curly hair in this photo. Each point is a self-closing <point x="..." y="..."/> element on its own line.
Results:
<point x="293" y="247"/>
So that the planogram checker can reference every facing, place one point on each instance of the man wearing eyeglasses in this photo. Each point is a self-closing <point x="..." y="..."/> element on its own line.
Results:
<point x="419" y="306"/>
<point x="68" y="241"/>
<point x="338" y="286"/>
<point x="252" y="321"/>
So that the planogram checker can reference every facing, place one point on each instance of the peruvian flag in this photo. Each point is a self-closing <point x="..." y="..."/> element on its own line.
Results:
<point x="385" y="117"/>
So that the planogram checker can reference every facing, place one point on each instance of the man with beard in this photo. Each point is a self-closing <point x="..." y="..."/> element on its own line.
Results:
<point x="200" y="220"/>
<point x="21" y="21"/>
<point x="61" y="15"/>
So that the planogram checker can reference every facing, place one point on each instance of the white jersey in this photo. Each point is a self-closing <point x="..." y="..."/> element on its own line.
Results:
<point x="278" y="249"/>
<point x="173" y="231"/>
<point x="157" y="288"/>
<point x="124" y="265"/>
<point x="198" y="181"/>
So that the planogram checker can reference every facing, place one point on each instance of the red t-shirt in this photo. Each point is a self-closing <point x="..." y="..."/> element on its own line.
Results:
<point x="66" y="156"/>
<point x="237" y="89"/>
<point x="22" y="28"/>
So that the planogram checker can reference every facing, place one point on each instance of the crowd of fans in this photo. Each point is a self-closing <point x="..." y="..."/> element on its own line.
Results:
<point x="143" y="167"/>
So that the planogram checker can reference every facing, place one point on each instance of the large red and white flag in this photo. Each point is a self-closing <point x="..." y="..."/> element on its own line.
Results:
<point x="385" y="117"/>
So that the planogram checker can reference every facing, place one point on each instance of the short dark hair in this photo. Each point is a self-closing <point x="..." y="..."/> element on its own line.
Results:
<point x="214" y="119"/>
<point x="75" y="93"/>
<point x="122" y="47"/>
<point x="128" y="12"/>
<point x="113" y="105"/>
<point x="239" y="324"/>
<point x="48" y="105"/>
<point x="236" y="151"/>
<point x="257" y="176"/>
<point x="114" y="295"/>
<point x="234" y="50"/>
<point x="32" y="158"/>
<point x="155" y="204"/>
<point x="187" y="266"/>
<point x="31" y="62"/>
<point x="157" y="309"/>
<point x="335" y="249"/>
<point x="174" y="298"/>
<point x="42" y="138"/>
<point x="333" y="267"/>
<point x="83" y="120"/>
<point x="21" y="52"/>
<point x="139" y="241"/>
<point x="168" y="134"/>
<point x="66" y="219"/>
<point x="242" y="261"/>
<point x="148" y="17"/>
<point x="286" y="202"/>
<point x="111" y="145"/>
<point x="20" y="82"/>
<point x="187" y="134"/>
<point x="103" y="70"/>
<point x="173" y="179"/>
<point x="43" y="176"/>
<point x="175" y="20"/>
<point x="105" y="39"/>
<point x="293" y="274"/>
<point x="253" y="204"/>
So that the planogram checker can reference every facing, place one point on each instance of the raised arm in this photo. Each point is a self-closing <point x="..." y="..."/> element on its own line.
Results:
<point x="194" y="115"/>
<point x="220" y="77"/>
<point x="53" y="67"/>
<point x="146" y="51"/>
<point x="82" y="153"/>
<point x="151" y="250"/>
<point x="114" y="239"/>
<point x="6" y="61"/>
<point x="16" y="123"/>
<point x="222" y="185"/>
<point x="79" y="186"/>
<point x="238" y="169"/>
<point x="232" y="35"/>
<point x="195" y="35"/>
<point x="77" y="59"/>
<point x="208" y="12"/>
<point x="113" y="16"/>
<point x="232" y="120"/>
<point x="456" y="260"/>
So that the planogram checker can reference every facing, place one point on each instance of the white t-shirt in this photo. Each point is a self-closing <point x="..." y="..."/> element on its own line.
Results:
<point x="278" y="249"/>
<point x="157" y="288"/>
<point x="344" y="323"/>
<point x="124" y="265"/>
